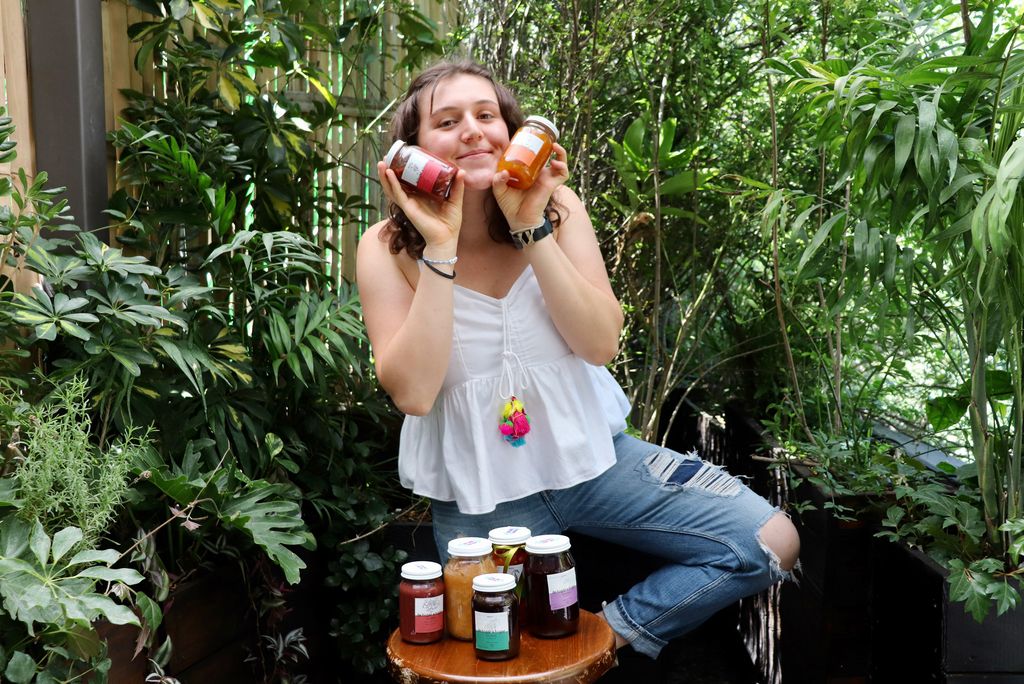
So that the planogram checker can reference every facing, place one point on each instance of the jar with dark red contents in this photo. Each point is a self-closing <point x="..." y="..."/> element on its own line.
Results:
<point x="421" y="603"/>
<point x="554" y="608"/>
<point x="420" y="171"/>
<point x="509" y="544"/>
<point x="495" y="617"/>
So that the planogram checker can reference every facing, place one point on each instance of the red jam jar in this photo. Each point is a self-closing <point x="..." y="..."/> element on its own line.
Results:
<point x="509" y="552"/>
<point x="495" y="617"/>
<point x="554" y="608"/>
<point x="420" y="171"/>
<point x="421" y="603"/>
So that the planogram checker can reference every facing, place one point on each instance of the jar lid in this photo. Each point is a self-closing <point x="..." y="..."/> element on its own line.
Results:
<point x="465" y="547"/>
<point x="506" y="536"/>
<point x="421" y="570"/>
<point x="544" y="122"/>
<point x="548" y="543"/>
<point x="399" y="144"/>
<point x="494" y="581"/>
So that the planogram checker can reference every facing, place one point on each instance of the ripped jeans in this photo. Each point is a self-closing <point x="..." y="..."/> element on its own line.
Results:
<point x="663" y="503"/>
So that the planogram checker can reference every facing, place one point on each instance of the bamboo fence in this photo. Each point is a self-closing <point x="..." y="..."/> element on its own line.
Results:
<point x="355" y="142"/>
<point x="15" y="98"/>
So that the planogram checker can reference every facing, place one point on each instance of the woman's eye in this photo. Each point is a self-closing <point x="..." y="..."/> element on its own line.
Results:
<point x="447" y="123"/>
<point x="487" y="115"/>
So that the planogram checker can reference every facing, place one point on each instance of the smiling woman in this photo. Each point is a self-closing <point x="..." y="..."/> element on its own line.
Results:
<point x="491" y="318"/>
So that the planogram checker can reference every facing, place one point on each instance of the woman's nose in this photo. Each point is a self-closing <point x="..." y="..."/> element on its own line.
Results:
<point x="471" y="131"/>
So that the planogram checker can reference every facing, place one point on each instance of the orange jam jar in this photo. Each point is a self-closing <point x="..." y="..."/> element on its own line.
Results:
<point x="528" y="151"/>
<point x="420" y="171"/>
<point x="468" y="558"/>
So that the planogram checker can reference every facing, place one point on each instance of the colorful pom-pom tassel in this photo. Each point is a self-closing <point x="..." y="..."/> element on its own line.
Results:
<point x="514" y="423"/>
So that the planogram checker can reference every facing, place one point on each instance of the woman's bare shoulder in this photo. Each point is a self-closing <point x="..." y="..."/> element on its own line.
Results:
<point x="376" y="233"/>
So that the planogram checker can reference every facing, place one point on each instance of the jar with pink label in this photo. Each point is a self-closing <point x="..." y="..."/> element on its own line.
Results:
<point x="421" y="603"/>
<point x="554" y="609"/>
<point x="420" y="171"/>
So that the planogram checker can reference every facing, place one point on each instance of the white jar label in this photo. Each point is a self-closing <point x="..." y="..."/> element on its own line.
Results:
<point x="429" y="614"/>
<point x="491" y="630"/>
<point x="528" y="140"/>
<point x="516" y="571"/>
<point x="562" y="589"/>
<point x="421" y="171"/>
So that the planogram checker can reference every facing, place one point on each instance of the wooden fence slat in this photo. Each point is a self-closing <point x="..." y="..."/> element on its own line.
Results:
<point x="19" y="96"/>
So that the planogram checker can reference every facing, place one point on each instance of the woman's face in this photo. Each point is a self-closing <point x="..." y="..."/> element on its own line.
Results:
<point x="461" y="121"/>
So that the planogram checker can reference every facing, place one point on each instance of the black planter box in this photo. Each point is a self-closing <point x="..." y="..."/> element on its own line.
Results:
<point x="826" y="616"/>
<point x="918" y="635"/>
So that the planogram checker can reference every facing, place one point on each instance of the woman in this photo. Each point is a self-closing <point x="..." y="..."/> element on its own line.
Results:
<point x="534" y="320"/>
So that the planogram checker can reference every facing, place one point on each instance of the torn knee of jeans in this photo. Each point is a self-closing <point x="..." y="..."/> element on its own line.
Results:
<point x="775" y="569"/>
<point x="691" y="472"/>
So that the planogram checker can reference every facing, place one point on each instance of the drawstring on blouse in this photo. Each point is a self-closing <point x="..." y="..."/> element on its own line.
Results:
<point x="509" y="361"/>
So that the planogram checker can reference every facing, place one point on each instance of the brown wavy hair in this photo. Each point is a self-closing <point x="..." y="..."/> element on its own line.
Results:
<point x="405" y="124"/>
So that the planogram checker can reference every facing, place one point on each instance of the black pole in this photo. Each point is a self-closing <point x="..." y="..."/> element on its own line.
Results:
<point x="65" y="51"/>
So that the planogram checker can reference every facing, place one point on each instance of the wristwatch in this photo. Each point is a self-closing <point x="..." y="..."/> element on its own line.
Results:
<point x="531" y="235"/>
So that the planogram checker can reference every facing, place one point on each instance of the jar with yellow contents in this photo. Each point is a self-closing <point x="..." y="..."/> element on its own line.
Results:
<point x="468" y="557"/>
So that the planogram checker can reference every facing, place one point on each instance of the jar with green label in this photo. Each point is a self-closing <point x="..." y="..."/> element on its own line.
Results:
<point x="495" y="617"/>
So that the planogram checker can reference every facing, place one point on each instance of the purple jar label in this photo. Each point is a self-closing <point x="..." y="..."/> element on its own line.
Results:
<point x="562" y="589"/>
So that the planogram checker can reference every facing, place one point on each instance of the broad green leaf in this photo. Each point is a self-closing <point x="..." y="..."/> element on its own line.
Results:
<point x="114" y="612"/>
<point x="20" y="668"/>
<point x="323" y="91"/>
<point x="152" y="615"/>
<point x="273" y="523"/>
<point x="228" y="93"/>
<point x="904" y="141"/>
<point x="944" y="412"/>
<point x="818" y="240"/>
<point x="179" y="8"/>
<point x="39" y="542"/>
<point x="84" y="642"/>
<point x="124" y="575"/>
<point x="105" y="556"/>
<point x="64" y="540"/>
<point x="1006" y="596"/>
<point x="681" y="183"/>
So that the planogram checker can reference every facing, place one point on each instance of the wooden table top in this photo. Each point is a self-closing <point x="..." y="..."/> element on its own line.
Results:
<point x="580" y="658"/>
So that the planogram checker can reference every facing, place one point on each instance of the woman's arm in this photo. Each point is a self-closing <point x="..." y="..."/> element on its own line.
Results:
<point x="573" y="278"/>
<point x="570" y="268"/>
<point x="410" y="327"/>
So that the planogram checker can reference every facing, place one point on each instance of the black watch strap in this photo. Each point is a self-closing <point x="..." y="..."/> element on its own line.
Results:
<point x="532" y="235"/>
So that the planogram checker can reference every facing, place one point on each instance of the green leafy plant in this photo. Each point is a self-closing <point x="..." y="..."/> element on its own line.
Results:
<point x="926" y="141"/>
<point x="44" y="587"/>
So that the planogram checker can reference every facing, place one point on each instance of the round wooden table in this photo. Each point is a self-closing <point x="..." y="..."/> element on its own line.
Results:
<point x="577" y="659"/>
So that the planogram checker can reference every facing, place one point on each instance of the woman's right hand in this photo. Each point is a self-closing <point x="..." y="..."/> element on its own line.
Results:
<point x="437" y="221"/>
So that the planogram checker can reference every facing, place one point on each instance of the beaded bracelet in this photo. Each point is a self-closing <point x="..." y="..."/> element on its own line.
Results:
<point x="440" y="262"/>
<point x="435" y="269"/>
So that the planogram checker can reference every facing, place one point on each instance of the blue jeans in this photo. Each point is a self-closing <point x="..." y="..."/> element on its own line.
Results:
<point x="674" y="506"/>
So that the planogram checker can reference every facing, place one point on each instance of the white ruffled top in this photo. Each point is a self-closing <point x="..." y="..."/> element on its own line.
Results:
<point x="502" y="347"/>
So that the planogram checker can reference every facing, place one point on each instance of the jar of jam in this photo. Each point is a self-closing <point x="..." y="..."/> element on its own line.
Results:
<point x="420" y="171"/>
<point x="509" y="544"/>
<point x="421" y="603"/>
<point x="495" y="617"/>
<point x="551" y="586"/>
<point x="528" y="151"/>
<point x="468" y="557"/>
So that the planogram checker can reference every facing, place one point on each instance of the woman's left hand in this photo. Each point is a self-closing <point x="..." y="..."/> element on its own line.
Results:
<point x="524" y="209"/>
